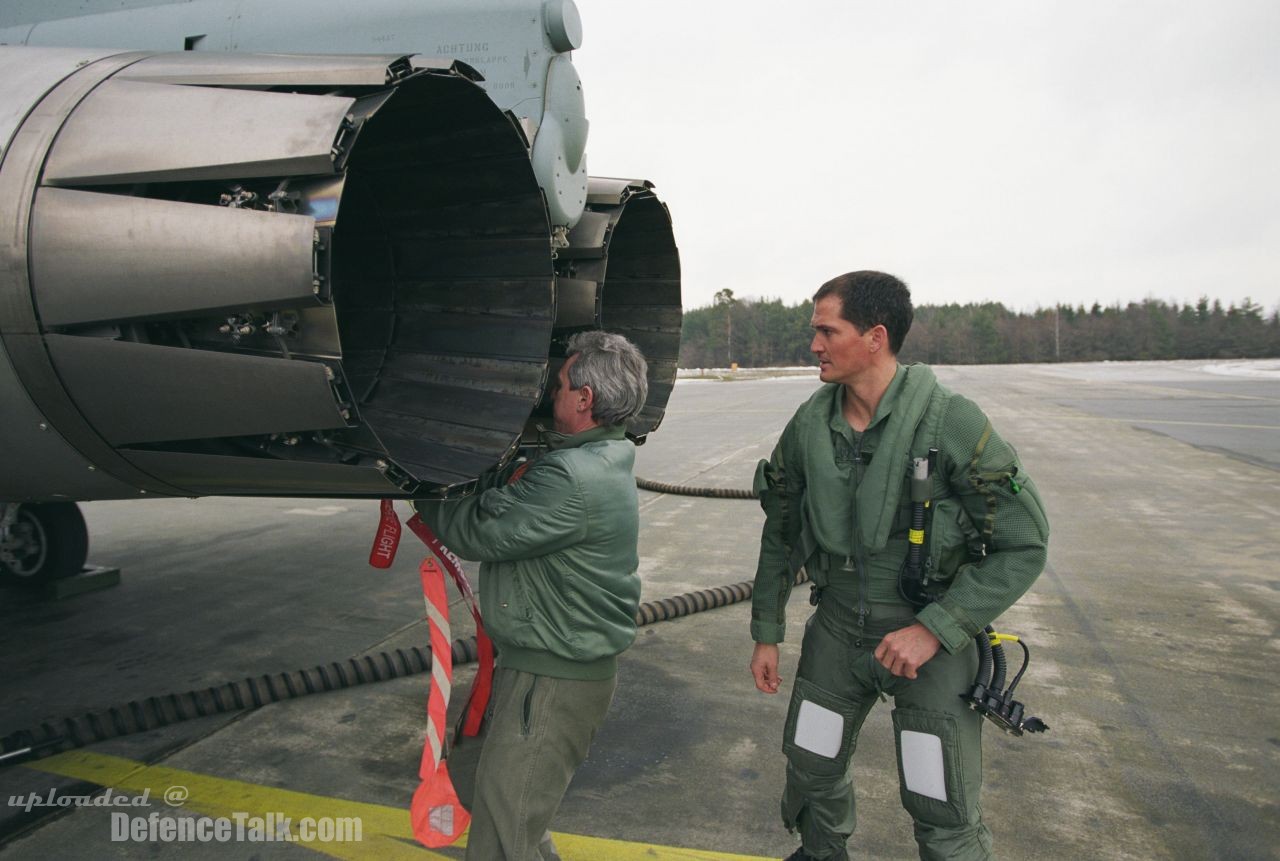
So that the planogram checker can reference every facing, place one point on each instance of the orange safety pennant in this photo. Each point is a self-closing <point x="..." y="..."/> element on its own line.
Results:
<point x="438" y="817"/>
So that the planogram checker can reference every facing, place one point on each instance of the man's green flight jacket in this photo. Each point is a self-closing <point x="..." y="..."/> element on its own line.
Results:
<point x="559" y="586"/>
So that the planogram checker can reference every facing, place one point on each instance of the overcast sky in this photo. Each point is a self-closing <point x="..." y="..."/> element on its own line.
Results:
<point x="1022" y="152"/>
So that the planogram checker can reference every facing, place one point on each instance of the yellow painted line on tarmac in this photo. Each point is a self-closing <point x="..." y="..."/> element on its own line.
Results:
<point x="385" y="831"/>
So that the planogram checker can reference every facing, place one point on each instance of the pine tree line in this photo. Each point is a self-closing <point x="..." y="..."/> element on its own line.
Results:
<point x="762" y="333"/>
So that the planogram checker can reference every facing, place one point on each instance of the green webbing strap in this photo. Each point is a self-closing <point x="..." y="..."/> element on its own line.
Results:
<point x="982" y="483"/>
<point x="982" y="444"/>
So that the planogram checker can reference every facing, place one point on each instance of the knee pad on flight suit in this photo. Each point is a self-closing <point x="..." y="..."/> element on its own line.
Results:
<point x="819" y="734"/>
<point x="934" y="768"/>
<point x="818" y="740"/>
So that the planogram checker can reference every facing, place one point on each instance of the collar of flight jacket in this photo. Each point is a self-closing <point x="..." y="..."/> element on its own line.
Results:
<point x="841" y="425"/>
<point x="901" y="408"/>
<point x="556" y="440"/>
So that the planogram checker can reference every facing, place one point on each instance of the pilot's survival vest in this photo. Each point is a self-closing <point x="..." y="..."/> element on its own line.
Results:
<point x="877" y="514"/>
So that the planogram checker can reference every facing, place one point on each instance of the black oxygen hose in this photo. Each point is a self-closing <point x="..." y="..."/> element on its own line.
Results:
<point x="989" y="697"/>
<point x="257" y="691"/>
<point x="1026" y="659"/>
<point x="983" y="676"/>
<point x="1001" y="670"/>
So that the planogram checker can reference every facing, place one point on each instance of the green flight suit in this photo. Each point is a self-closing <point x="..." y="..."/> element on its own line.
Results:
<point x="837" y="503"/>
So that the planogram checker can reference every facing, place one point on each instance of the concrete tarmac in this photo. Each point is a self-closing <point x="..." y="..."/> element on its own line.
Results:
<point x="1153" y="637"/>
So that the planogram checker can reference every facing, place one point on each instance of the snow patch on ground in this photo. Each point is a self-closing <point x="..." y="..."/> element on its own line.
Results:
<point x="1258" y="368"/>
<point x="719" y="375"/>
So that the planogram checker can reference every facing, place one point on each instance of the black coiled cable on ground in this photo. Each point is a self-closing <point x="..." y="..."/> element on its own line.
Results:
<point x="256" y="691"/>
<point x="681" y="490"/>
<point x="251" y="693"/>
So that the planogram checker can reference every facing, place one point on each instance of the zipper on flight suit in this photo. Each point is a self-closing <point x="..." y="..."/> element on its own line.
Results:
<point x="859" y="566"/>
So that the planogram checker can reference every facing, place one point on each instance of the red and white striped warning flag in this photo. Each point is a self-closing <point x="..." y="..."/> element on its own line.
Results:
<point x="482" y="685"/>
<point x="438" y="817"/>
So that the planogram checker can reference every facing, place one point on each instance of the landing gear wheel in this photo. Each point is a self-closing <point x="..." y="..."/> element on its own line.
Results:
<point x="46" y="542"/>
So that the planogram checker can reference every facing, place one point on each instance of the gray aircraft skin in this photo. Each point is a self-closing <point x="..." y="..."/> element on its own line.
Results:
<point x="278" y="249"/>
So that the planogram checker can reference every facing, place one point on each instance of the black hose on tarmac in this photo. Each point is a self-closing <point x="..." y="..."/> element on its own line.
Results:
<point x="256" y="691"/>
<point x="681" y="490"/>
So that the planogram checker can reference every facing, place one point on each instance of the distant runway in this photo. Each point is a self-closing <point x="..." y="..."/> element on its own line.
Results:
<point x="1228" y="407"/>
<point x="1153" y="637"/>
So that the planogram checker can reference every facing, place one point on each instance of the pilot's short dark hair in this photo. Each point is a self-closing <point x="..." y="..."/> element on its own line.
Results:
<point x="869" y="298"/>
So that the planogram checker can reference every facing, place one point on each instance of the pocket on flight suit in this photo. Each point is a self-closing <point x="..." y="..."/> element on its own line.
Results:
<point x="953" y="540"/>
<point x="930" y="771"/>
<point x="818" y="735"/>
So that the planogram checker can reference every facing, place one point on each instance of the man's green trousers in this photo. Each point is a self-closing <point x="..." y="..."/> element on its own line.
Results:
<point x="938" y="737"/>
<point x="513" y="777"/>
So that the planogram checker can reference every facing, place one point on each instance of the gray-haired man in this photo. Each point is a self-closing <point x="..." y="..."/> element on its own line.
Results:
<point x="559" y="592"/>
